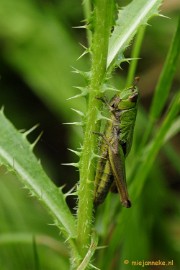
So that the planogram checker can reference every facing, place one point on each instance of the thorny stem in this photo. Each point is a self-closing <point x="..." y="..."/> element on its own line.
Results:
<point x="102" y="26"/>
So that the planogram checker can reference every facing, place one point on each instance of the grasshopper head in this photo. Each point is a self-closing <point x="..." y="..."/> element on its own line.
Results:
<point x="126" y="99"/>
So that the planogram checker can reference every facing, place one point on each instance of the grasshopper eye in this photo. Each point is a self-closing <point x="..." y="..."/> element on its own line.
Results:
<point x="134" y="97"/>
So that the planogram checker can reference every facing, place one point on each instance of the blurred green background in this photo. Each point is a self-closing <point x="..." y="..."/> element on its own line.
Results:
<point x="38" y="48"/>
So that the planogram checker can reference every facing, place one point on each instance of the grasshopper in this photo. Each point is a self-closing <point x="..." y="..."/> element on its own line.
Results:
<point x="115" y="146"/>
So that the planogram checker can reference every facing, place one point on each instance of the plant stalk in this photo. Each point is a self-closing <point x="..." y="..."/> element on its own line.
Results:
<point x="102" y="22"/>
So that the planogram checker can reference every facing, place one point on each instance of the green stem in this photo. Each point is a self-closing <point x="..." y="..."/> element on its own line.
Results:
<point x="154" y="147"/>
<point x="102" y="25"/>
<point x="87" y="14"/>
<point x="164" y="84"/>
<point x="135" y="55"/>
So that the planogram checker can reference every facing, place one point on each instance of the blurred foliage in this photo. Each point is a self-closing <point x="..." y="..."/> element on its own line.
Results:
<point x="39" y="47"/>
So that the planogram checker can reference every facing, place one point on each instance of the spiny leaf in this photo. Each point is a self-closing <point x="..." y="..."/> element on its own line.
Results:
<point x="134" y="15"/>
<point x="16" y="155"/>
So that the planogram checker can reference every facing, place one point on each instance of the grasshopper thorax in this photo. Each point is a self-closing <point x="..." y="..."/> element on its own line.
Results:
<point x="126" y="99"/>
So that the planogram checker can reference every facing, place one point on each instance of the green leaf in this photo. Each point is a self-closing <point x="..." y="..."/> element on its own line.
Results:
<point x="164" y="84"/>
<point x="151" y="151"/>
<point x="16" y="154"/>
<point x="137" y="13"/>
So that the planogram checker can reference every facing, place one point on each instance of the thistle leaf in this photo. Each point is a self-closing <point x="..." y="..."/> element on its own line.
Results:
<point x="17" y="156"/>
<point x="137" y="13"/>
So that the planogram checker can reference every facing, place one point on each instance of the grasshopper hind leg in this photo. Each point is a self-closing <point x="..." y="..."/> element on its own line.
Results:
<point x="104" y="185"/>
<point x="113" y="189"/>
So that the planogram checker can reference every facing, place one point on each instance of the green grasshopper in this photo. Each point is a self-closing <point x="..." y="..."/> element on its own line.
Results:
<point x="115" y="146"/>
